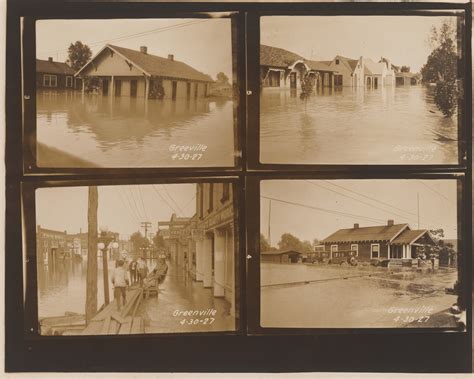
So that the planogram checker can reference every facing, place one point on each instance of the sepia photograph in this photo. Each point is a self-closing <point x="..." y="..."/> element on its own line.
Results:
<point x="120" y="93"/>
<point x="379" y="253"/>
<point x="388" y="85"/>
<point x="135" y="259"/>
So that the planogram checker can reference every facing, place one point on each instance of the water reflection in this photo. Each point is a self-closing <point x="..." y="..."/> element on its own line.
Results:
<point x="124" y="131"/>
<point x="391" y="125"/>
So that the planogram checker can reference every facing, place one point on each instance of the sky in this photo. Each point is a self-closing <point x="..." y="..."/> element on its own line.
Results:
<point x="437" y="200"/>
<point x="401" y="39"/>
<point x="121" y="208"/>
<point x="204" y="44"/>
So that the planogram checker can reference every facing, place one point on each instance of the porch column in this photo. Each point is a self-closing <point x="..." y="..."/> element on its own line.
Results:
<point x="112" y="86"/>
<point x="83" y="86"/>
<point x="409" y="251"/>
<point x="219" y="262"/>
<point x="332" y="80"/>
<point x="199" y="260"/>
<point x="404" y="251"/>
<point x="388" y="251"/>
<point x="147" y="87"/>
<point x="207" y="263"/>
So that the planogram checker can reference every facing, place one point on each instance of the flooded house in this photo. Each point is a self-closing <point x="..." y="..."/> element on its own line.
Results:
<point x="349" y="72"/>
<point x="276" y="256"/>
<point x="394" y="242"/>
<point x="378" y="73"/>
<point x="203" y="245"/>
<point x="285" y="69"/>
<point x="55" y="75"/>
<point x="136" y="73"/>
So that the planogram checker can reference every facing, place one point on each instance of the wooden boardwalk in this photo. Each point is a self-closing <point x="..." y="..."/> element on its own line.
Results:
<point x="110" y="321"/>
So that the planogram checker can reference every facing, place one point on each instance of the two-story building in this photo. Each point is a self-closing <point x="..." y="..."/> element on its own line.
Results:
<point x="51" y="245"/>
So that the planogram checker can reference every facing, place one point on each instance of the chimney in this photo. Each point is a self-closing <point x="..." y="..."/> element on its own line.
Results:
<point x="143" y="50"/>
<point x="390" y="223"/>
<point x="171" y="57"/>
<point x="50" y="59"/>
<point x="356" y="226"/>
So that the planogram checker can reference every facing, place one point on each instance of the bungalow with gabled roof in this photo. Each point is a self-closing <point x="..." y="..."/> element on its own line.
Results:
<point x="350" y="72"/>
<point x="384" y="242"/>
<point x="127" y="72"/>
<point x="283" y="68"/>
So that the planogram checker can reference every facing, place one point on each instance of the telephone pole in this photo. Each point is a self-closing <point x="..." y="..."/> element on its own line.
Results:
<point x="91" y="284"/>
<point x="269" y="221"/>
<point x="146" y="225"/>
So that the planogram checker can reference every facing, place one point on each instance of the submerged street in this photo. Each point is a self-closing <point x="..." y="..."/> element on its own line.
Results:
<point x="324" y="296"/>
<point x="131" y="132"/>
<point x="390" y="125"/>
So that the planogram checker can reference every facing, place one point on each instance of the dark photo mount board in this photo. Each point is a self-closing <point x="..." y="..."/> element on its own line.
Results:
<point x="311" y="351"/>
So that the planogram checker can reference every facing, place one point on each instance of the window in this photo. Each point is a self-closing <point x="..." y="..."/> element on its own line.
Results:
<point x="375" y="251"/>
<point x="333" y="249"/>
<point x="337" y="61"/>
<point x="50" y="81"/>
<point x="68" y="81"/>
<point x="355" y="247"/>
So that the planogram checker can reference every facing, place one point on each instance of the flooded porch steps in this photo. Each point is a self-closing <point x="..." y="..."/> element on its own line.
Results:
<point x="110" y="321"/>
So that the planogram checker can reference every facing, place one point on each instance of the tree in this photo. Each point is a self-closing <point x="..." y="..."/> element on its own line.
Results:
<point x="441" y="68"/>
<point x="159" y="242"/>
<point x="139" y="243"/>
<point x="307" y="247"/>
<point x="307" y="86"/>
<point x="222" y="78"/>
<point x="405" y="69"/>
<point x="79" y="54"/>
<point x="290" y="242"/>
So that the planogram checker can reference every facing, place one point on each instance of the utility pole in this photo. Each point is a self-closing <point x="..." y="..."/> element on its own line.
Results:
<point x="91" y="284"/>
<point x="146" y="225"/>
<point x="269" y="218"/>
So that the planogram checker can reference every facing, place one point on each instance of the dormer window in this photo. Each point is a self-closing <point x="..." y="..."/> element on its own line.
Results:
<point x="337" y="61"/>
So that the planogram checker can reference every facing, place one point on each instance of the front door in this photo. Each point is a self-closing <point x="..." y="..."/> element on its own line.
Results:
<point x="293" y="80"/>
<point x="133" y="88"/>
<point x="105" y="87"/>
<point x="173" y="90"/>
<point x="118" y="87"/>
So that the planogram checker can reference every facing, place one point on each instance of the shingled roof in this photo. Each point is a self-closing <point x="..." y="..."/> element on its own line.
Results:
<point x="277" y="57"/>
<point x="409" y="236"/>
<point x="159" y="66"/>
<point x="51" y="67"/>
<point x="370" y="233"/>
<point x="319" y="66"/>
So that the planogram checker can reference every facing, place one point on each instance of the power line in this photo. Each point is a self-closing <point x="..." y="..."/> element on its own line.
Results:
<point x="370" y="198"/>
<point x="137" y="218"/>
<point x="141" y="199"/>
<point x="190" y="201"/>
<point x="135" y="203"/>
<point x="172" y="200"/>
<point x="350" y="215"/>
<point x="135" y="35"/>
<point x="435" y="191"/>
<point x="124" y="204"/>
<point x="361" y="201"/>
<point x="162" y="198"/>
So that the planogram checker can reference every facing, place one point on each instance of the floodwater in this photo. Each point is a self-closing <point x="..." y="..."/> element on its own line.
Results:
<point x="62" y="288"/>
<point x="110" y="131"/>
<point x="388" y="125"/>
<point x="353" y="297"/>
<point x="179" y="292"/>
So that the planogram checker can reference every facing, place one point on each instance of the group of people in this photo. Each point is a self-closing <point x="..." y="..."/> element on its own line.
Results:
<point x="121" y="277"/>
<point x="138" y="270"/>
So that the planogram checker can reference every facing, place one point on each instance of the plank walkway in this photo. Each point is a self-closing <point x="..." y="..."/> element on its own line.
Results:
<point x="110" y="321"/>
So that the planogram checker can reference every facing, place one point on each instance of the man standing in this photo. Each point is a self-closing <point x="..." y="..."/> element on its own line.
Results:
<point x="120" y="281"/>
<point x="142" y="270"/>
<point x="133" y="271"/>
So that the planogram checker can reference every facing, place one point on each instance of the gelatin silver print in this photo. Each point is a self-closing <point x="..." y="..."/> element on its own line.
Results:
<point x="134" y="259"/>
<point x="360" y="254"/>
<point x="134" y="93"/>
<point x="385" y="85"/>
